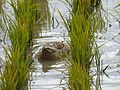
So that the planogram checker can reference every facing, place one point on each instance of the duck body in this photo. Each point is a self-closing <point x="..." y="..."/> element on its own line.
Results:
<point x="53" y="51"/>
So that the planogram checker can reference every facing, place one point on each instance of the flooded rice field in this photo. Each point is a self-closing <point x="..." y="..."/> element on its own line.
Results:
<point x="49" y="75"/>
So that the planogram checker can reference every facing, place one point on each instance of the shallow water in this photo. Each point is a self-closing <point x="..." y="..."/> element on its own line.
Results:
<point x="49" y="76"/>
<point x="110" y="51"/>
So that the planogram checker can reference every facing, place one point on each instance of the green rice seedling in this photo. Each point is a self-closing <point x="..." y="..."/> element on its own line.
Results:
<point x="82" y="38"/>
<point x="25" y="12"/>
<point x="16" y="70"/>
<point x="90" y="7"/>
<point x="15" y="74"/>
<point x="80" y="32"/>
<point x="79" y="79"/>
<point x="82" y="44"/>
<point x="87" y="7"/>
<point x="82" y="28"/>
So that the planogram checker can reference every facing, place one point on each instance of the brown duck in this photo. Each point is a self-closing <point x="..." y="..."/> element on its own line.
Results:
<point x="53" y="51"/>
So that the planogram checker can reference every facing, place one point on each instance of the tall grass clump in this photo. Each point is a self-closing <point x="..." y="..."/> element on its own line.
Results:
<point x="79" y="79"/>
<point x="25" y="11"/>
<point x="82" y="27"/>
<point x="19" y="25"/>
<point x="15" y="73"/>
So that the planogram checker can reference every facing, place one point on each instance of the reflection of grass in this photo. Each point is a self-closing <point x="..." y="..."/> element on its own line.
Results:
<point x="16" y="70"/>
<point x="0" y="5"/>
<point x="43" y="14"/>
<point x="118" y="65"/>
<point x="84" y="50"/>
<point x="42" y="17"/>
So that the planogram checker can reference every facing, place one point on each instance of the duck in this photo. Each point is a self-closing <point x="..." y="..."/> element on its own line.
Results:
<point x="53" y="51"/>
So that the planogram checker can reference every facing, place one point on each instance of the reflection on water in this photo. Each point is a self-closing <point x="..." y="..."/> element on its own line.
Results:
<point x="44" y="11"/>
<point x="0" y="5"/>
<point x="47" y="74"/>
<point x="47" y="65"/>
<point x="43" y="17"/>
<point x="43" y="21"/>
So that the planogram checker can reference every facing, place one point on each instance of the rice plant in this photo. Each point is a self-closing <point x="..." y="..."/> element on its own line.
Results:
<point x="82" y="44"/>
<point x="27" y="11"/>
<point x="81" y="28"/>
<point x="15" y="74"/>
<point x="79" y="79"/>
